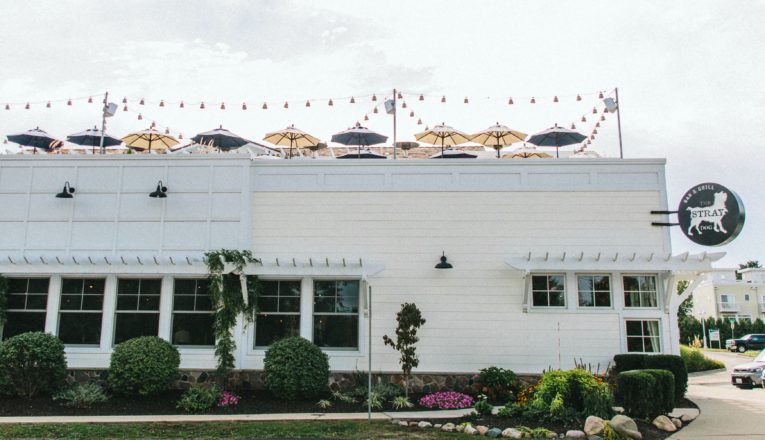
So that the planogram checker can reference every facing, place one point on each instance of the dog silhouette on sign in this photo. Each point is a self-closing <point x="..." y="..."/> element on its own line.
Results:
<point x="713" y="214"/>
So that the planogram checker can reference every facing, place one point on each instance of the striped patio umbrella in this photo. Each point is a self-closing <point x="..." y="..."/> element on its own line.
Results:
<point x="221" y="139"/>
<point x="35" y="138"/>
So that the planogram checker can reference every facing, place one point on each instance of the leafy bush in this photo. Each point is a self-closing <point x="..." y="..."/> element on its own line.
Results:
<point x="497" y="383"/>
<point x="82" y="396"/>
<point x="386" y="390"/>
<point x="401" y="402"/>
<point x="482" y="405"/>
<point x="675" y="364"/>
<point x="563" y="396"/>
<point x="646" y="394"/>
<point x="446" y="400"/>
<point x="199" y="398"/>
<point x="295" y="367"/>
<point x="696" y="361"/>
<point x="143" y="366"/>
<point x="32" y="363"/>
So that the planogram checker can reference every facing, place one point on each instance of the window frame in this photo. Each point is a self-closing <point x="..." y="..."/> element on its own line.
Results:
<point x="642" y="336"/>
<point x="173" y="312"/>
<point x="563" y="276"/>
<point x="609" y="276"/>
<point x="26" y="309"/>
<point x="118" y="311"/>
<point x="258" y="312"/>
<point x="358" y="314"/>
<point x="80" y="310"/>
<point x="657" y="292"/>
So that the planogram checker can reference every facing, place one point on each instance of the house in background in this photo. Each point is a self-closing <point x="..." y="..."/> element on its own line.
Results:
<point x="723" y="296"/>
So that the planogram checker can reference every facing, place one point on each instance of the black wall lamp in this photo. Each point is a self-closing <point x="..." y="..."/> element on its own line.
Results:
<point x="443" y="264"/>
<point x="160" y="192"/>
<point x="67" y="192"/>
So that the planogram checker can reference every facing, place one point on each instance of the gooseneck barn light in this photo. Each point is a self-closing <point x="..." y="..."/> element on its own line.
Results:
<point x="160" y="192"/>
<point x="443" y="264"/>
<point x="67" y="192"/>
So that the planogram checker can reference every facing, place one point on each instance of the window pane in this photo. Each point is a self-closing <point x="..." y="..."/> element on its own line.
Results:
<point x="17" y="285"/>
<point x="336" y="331"/>
<point x="635" y="345"/>
<point x="71" y="286"/>
<point x="37" y="302"/>
<point x="149" y="302"/>
<point x="289" y="288"/>
<point x="634" y="328"/>
<point x="632" y="299"/>
<point x="584" y="283"/>
<point x="651" y="328"/>
<point x="127" y="302"/>
<point x="540" y="299"/>
<point x="151" y="287"/>
<point x="556" y="282"/>
<point x="94" y="286"/>
<point x="539" y="282"/>
<point x="602" y="283"/>
<point x="22" y="322"/>
<point x="647" y="283"/>
<point x="602" y="299"/>
<point x="204" y="303"/>
<point x="184" y="286"/>
<point x="38" y="285"/>
<point x="80" y="328"/>
<point x="290" y="304"/>
<point x="270" y="328"/>
<point x="17" y="301"/>
<point x="270" y="288"/>
<point x="324" y="288"/>
<point x="183" y="302"/>
<point x="651" y="345"/>
<point x="71" y="302"/>
<point x="193" y="329"/>
<point x="92" y="302"/>
<point x="203" y="287"/>
<point x="127" y="287"/>
<point x="267" y="304"/>
<point x="630" y="283"/>
<point x="348" y="301"/>
<point x="133" y="325"/>
<point x="647" y="299"/>
<point x="556" y="299"/>
<point x="585" y="299"/>
<point x="324" y="305"/>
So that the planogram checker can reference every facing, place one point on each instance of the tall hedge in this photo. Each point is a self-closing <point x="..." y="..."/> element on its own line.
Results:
<point x="647" y="393"/>
<point x="295" y="367"/>
<point x="143" y="366"/>
<point x="672" y="363"/>
<point x="32" y="363"/>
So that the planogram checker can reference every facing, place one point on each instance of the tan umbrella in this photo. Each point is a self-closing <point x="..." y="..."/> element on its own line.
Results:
<point x="498" y="136"/>
<point x="149" y="139"/>
<point x="291" y="137"/>
<point x="525" y="152"/>
<point x="443" y="135"/>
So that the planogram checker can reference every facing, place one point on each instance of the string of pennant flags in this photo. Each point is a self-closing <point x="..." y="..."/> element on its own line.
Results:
<point x="405" y="100"/>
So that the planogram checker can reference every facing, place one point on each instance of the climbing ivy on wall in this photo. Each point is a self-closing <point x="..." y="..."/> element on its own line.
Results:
<point x="228" y="301"/>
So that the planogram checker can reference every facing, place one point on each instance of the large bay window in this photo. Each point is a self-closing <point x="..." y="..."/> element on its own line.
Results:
<point x="640" y="291"/>
<point x="80" y="315"/>
<point x="548" y="290"/>
<point x="192" y="313"/>
<point x="643" y="336"/>
<point x="336" y="313"/>
<point x="27" y="301"/>
<point x="594" y="290"/>
<point x="137" y="308"/>
<point x="278" y="314"/>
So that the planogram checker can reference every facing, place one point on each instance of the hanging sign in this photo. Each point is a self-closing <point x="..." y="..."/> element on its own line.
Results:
<point x="711" y="215"/>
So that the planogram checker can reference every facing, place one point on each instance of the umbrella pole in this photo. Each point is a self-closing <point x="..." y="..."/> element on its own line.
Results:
<point x="103" y="126"/>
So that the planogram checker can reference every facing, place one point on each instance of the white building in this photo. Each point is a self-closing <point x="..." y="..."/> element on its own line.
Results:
<point x="721" y="295"/>
<point x="553" y="259"/>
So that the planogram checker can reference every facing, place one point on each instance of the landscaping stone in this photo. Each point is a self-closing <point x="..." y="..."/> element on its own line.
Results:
<point x="512" y="433"/>
<point x="573" y="433"/>
<point x="448" y="427"/>
<point x="437" y="426"/>
<point x="626" y="426"/>
<point x="403" y="423"/>
<point x="685" y="418"/>
<point x="594" y="425"/>
<point x="469" y="430"/>
<point x="494" y="433"/>
<point x="677" y="422"/>
<point x="424" y="424"/>
<point x="664" y="423"/>
<point x="594" y="437"/>
<point x="552" y="435"/>
<point x="413" y="423"/>
<point x="482" y="430"/>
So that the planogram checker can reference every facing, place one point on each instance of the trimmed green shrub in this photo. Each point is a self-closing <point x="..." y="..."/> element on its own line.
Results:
<point x="497" y="383"/>
<point x="295" y="367"/>
<point x="199" y="398"/>
<point x="82" y="396"/>
<point x="646" y="394"/>
<point x="482" y="405"/>
<point x="565" y="395"/>
<point x="33" y="363"/>
<point x="675" y="364"/>
<point x="696" y="361"/>
<point x="143" y="366"/>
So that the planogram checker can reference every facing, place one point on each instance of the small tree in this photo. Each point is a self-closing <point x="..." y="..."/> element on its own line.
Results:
<point x="409" y="320"/>
<point x="751" y="264"/>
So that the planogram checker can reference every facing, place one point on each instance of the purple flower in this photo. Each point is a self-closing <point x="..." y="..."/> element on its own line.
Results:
<point x="228" y="399"/>
<point x="446" y="400"/>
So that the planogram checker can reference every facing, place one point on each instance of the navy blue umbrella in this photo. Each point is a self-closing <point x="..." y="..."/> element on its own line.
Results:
<point x="360" y="136"/>
<point x="221" y="139"/>
<point x="92" y="138"/>
<point x="363" y="154"/>
<point x="556" y="137"/>
<point x="35" y="138"/>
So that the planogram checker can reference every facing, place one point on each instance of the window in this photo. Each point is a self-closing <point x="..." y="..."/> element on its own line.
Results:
<point x="640" y="291"/>
<point x="192" y="313"/>
<point x="594" y="290"/>
<point x="746" y="297"/>
<point x="27" y="301"/>
<point x="336" y="314"/>
<point x="80" y="317"/>
<point x="278" y="312"/>
<point x="643" y="336"/>
<point x="137" y="308"/>
<point x="548" y="291"/>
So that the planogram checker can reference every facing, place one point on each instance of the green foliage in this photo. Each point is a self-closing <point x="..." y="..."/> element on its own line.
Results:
<point x="339" y="395"/>
<point x="324" y="404"/>
<point x="384" y="391"/>
<point x="696" y="361"/>
<point x="3" y="300"/>
<point x="82" y="396"/>
<point x="295" y="367"/>
<point x="482" y="405"/>
<point x="751" y="264"/>
<point x="143" y="366"/>
<point x="376" y="401"/>
<point x="498" y="383"/>
<point x="226" y="295"/>
<point x="675" y="364"/>
<point x="511" y="409"/>
<point x="647" y="393"/>
<point x="567" y="395"/>
<point x="609" y="433"/>
<point x="199" y="398"/>
<point x="687" y="305"/>
<point x="33" y="362"/>
<point x="535" y="432"/>
<point x="401" y="402"/>
<point x="409" y="320"/>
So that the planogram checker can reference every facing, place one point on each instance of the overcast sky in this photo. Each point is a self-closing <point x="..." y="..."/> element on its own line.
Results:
<point x="689" y="74"/>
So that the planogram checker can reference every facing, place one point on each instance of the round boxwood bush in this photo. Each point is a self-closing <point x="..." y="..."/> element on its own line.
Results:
<point x="295" y="367"/>
<point x="32" y="363"/>
<point x="143" y="366"/>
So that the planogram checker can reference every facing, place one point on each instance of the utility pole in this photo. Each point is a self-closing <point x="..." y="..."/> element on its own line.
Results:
<point x="619" y="121"/>
<point x="101" y="148"/>
<point x="395" y="112"/>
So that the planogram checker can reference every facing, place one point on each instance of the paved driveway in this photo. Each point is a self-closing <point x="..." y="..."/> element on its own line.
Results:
<point x="727" y="412"/>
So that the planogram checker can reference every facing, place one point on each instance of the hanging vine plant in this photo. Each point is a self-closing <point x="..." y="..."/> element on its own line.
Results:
<point x="3" y="300"/>
<point x="229" y="301"/>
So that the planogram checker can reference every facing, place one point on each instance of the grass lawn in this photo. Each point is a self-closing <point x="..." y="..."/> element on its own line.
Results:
<point x="294" y="429"/>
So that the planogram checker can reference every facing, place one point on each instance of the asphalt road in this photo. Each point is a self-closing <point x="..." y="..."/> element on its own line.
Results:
<point x="727" y="412"/>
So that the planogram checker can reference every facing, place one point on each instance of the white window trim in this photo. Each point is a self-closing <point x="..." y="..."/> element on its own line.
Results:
<point x="116" y="311"/>
<point x="660" y="337"/>
<point x="610" y="290"/>
<point x="531" y="291"/>
<point x="657" y="282"/>
<point x="167" y="314"/>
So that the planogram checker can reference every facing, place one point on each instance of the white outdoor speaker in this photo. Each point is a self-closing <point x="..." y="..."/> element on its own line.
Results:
<point x="390" y="108"/>
<point x="610" y="105"/>
<point x="110" y="110"/>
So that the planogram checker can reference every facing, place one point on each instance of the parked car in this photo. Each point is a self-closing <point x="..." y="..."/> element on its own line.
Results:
<point x="748" y="342"/>
<point x="750" y="374"/>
